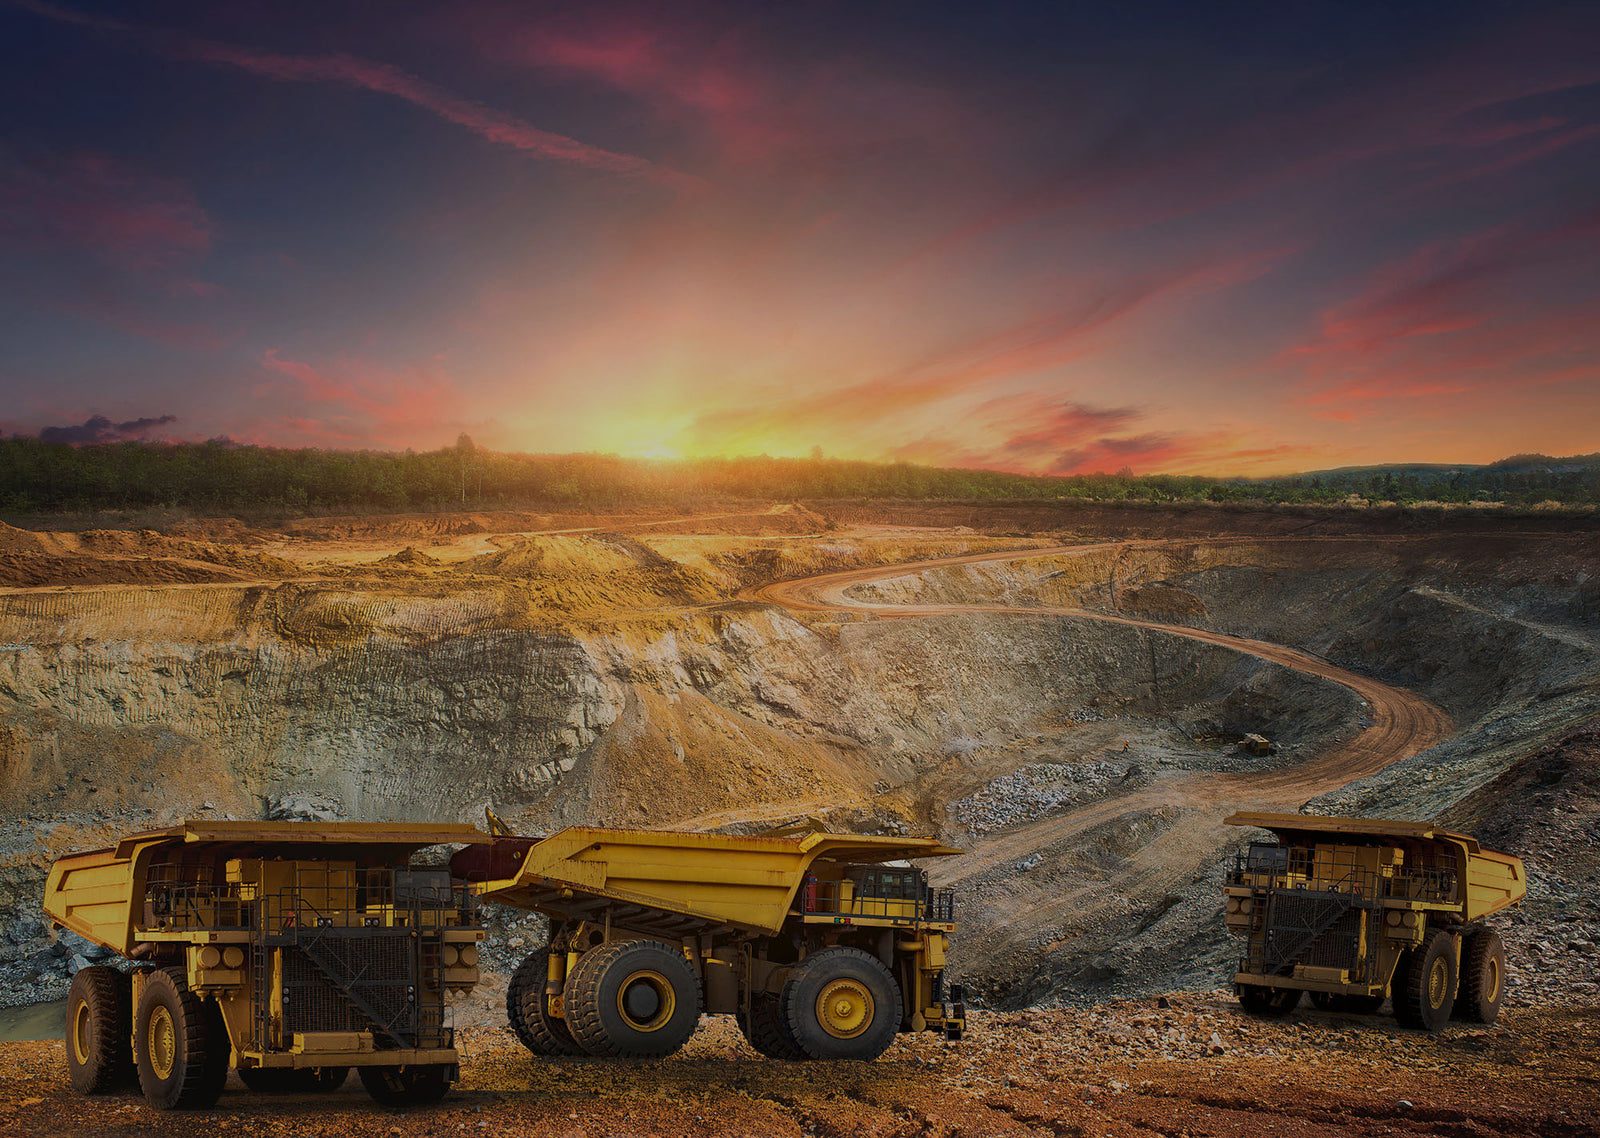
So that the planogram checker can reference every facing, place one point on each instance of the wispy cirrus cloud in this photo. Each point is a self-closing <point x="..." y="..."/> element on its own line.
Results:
<point x="1459" y="116"/>
<point x="499" y="127"/>
<point x="1459" y="316"/>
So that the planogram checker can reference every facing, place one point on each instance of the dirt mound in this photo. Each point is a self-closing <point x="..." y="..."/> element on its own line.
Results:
<point x="230" y="530"/>
<point x="149" y="543"/>
<point x="13" y="540"/>
<point x="594" y="574"/>
<point x="22" y="572"/>
<point x="410" y="555"/>
<point x="436" y="527"/>
<point x="104" y="557"/>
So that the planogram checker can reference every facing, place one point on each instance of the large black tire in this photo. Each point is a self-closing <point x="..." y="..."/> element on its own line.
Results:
<point x="293" y="1080"/>
<point x="99" y="1013"/>
<point x="1483" y="978"/>
<point x="407" y="1086"/>
<point x="528" y="972"/>
<point x="1426" y="993"/>
<point x="842" y="1003"/>
<point x="766" y="1030"/>
<point x="1268" y="1003"/>
<point x="528" y="1011"/>
<point x="632" y="999"/>
<point x="178" y="1045"/>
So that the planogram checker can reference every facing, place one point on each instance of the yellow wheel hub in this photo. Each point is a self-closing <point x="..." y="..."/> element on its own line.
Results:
<point x="646" y="1001"/>
<point x="1438" y="978"/>
<point x="1491" y="987"/>
<point x="80" y="1032"/>
<point x="845" y="1008"/>
<point x="161" y="1043"/>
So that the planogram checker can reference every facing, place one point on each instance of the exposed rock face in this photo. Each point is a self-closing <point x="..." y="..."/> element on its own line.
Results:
<point x="1161" y="600"/>
<point x="612" y="680"/>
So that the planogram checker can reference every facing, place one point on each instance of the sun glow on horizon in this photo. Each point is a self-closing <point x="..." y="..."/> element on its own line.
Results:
<point x="911" y="243"/>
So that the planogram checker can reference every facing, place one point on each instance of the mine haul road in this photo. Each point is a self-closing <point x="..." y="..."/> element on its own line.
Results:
<point x="1400" y="724"/>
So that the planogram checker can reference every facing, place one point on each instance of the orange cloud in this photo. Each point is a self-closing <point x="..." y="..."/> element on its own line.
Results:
<point x="354" y="402"/>
<point x="1020" y="352"/>
<point x="1466" y="316"/>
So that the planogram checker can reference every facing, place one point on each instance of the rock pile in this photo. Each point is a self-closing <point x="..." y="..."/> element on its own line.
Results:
<point x="1034" y="791"/>
<point x="43" y="962"/>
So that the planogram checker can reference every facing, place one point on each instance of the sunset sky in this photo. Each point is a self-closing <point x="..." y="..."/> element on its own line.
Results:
<point x="1231" y="239"/>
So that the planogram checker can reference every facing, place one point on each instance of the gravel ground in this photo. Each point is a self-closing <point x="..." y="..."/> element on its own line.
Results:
<point x="1195" y="1067"/>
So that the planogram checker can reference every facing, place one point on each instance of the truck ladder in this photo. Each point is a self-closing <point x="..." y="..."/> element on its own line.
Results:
<point x="349" y="984"/>
<point x="1286" y="934"/>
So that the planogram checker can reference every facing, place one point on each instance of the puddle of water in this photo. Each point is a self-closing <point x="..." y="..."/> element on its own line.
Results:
<point x="32" y="1021"/>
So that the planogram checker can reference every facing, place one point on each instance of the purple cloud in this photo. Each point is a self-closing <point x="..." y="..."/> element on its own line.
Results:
<point x="99" y="429"/>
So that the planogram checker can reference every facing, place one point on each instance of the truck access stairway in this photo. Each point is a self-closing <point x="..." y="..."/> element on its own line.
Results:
<point x="1295" y="919"/>
<point x="348" y="970"/>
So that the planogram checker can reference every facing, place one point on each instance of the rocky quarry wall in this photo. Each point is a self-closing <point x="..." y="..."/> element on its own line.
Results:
<point x="127" y="707"/>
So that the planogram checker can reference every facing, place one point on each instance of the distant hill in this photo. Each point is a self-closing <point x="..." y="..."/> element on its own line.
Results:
<point x="1520" y="462"/>
<point x="1524" y="479"/>
<point x="1543" y="462"/>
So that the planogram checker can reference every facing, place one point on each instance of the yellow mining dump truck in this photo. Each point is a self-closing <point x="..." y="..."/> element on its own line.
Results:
<point x="822" y="945"/>
<point x="290" y="951"/>
<point x="1356" y="911"/>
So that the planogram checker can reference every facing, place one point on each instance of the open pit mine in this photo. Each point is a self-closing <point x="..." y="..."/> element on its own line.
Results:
<point x="1076" y="698"/>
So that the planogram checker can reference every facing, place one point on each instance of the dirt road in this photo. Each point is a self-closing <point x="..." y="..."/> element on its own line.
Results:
<point x="1400" y="723"/>
<point x="1128" y="1070"/>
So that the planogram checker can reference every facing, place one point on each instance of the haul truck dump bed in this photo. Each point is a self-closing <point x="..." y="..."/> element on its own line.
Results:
<point x="823" y="945"/>
<point x="291" y="951"/>
<point x="1360" y="910"/>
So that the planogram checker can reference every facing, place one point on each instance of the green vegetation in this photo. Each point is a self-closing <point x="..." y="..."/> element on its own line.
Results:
<point x="40" y="477"/>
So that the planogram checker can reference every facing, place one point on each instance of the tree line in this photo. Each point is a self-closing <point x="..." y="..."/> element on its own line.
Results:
<point x="41" y="477"/>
